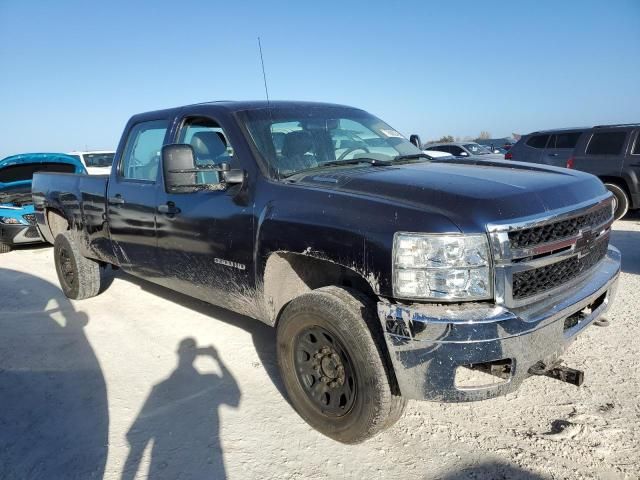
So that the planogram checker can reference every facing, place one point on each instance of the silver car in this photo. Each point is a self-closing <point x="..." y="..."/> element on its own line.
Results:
<point x="465" y="150"/>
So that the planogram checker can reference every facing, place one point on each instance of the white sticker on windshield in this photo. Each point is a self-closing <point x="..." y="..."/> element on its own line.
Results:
<point x="391" y="133"/>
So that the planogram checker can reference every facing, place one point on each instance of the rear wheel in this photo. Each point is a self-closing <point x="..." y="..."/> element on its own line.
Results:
<point x="5" y="248"/>
<point x="79" y="276"/>
<point x="621" y="200"/>
<point x="332" y="361"/>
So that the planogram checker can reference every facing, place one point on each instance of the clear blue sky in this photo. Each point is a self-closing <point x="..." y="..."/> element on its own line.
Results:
<point x="72" y="72"/>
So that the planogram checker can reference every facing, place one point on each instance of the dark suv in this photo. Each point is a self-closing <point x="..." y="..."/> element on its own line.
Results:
<point x="611" y="152"/>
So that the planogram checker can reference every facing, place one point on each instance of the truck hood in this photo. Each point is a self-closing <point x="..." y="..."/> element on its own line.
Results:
<point x="471" y="193"/>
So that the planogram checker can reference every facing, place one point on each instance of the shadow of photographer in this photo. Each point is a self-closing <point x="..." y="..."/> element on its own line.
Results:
<point x="180" y="420"/>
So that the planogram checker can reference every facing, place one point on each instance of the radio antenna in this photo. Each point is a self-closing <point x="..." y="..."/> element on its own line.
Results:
<point x="264" y="75"/>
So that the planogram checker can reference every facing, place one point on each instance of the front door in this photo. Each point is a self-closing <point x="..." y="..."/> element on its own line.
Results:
<point x="205" y="238"/>
<point x="131" y="199"/>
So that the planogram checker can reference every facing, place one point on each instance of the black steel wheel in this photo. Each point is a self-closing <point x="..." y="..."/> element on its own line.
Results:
<point x="79" y="276"/>
<point x="334" y="364"/>
<point x="325" y="371"/>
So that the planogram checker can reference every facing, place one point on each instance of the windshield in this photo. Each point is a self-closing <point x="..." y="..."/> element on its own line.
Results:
<point x="292" y="140"/>
<point x="24" y="171"/>
<point x="476" y="149"/>
<point x="98" y="159"/>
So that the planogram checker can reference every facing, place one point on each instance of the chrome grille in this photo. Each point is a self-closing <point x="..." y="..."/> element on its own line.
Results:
<point x="530" y="237"/>
<point x="535" y="257"/>
<point x="538" y="280"/>
<point x="30" y="217"/>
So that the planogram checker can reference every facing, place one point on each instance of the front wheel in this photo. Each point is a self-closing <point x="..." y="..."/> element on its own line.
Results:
<point x="621" y="200"/>
<point x="332" y="361"/>
<point x="79" y="276"/>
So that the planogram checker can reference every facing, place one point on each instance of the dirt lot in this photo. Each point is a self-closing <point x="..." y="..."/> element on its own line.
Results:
<point x="115" y="387"/>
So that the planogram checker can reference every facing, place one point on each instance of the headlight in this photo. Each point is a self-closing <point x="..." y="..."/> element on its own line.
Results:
<point x="12" y="221"/>
<point x="441" y="267"/>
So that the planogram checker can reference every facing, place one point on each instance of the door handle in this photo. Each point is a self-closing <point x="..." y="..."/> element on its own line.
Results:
<point x="634" y="165"/>
<point x="169" y="208"/>
<point x="552" y="154"/>
<point x="116" y="200"/>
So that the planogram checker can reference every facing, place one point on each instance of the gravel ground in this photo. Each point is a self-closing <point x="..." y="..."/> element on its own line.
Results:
<point x="143" y="382"/>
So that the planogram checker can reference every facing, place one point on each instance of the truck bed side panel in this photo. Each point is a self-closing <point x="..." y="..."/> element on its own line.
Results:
<point x="80" y="199"/>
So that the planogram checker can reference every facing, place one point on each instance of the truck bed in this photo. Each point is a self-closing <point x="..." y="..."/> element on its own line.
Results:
<point x="81" y="199"/>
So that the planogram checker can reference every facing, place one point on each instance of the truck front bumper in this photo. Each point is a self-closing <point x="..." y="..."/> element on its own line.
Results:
<point x="430" y="345"/>
<point x="12" y="234"/>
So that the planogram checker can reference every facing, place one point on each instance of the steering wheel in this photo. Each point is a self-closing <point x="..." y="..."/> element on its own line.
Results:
<point x="350" y="150"/>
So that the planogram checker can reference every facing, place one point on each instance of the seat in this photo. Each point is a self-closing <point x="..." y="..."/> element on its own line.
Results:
<point x="208" y="146"/>
<point x="296" y="150"/>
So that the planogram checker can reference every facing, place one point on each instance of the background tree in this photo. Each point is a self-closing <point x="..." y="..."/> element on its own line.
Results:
<point x="484" y="135"/>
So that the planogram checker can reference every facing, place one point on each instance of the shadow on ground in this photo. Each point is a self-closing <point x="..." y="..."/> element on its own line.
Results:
<point x="628" y="242"/>
<point x="53" y="401"/>
<point x="262" y="335"/>
<point x="180" y="420"/>
<point x="491" y="471"/>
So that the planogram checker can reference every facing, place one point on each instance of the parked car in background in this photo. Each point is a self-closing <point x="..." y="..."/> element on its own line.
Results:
<point x="611" y="152"/>
<point x="501" y="143"/>
<point x="436" y="154"/>
<point x="17" y="220"/>
<point x="97" y="162"/>
<point x="464" y="150"/>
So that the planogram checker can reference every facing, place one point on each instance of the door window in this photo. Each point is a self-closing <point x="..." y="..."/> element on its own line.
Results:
<point x="210" y="147"/>
<point x="606" y="143"/>
<point x="538" y="141"/>
<point x="564" y="140"/>
<point x="141" y="156"/>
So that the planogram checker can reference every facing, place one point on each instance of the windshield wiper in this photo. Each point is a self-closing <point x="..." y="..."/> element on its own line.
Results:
<point x="356" y="161"/>
<point x="336" y="163"/>
<point x="412" y="156"/>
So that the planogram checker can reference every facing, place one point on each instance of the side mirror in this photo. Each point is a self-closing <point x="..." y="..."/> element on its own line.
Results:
<point x="463" y="154"/>
<point x="415" y="139"/>
<point x="178" y="167"/>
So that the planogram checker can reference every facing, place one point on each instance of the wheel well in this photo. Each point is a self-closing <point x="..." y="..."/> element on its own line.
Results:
<point x="619" y="182"/>
<point x="289" y="275"/>
<point x="57" y="223"/>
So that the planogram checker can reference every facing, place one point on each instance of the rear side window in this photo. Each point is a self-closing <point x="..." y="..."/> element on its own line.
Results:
<point x="141" y="156"/>
<point x="538" y="141"/>
<point x="606" y="143"/>
<point x="564" y="140"/>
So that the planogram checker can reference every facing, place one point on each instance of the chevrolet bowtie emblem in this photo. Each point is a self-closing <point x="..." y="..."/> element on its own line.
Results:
<point x="585" y="242"/>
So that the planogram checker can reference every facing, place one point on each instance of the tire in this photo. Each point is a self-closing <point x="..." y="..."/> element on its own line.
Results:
<point x="622" y="200"/>
<point x="79" y="276"/>
<point x="348" y="405"/>
<point x="5" y="248"/>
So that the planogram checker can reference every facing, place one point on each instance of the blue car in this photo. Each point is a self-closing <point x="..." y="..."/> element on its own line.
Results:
<point x="17" y="219"/>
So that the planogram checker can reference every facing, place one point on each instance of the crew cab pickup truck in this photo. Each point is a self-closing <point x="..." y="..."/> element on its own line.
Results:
<point x="388" y="275"/>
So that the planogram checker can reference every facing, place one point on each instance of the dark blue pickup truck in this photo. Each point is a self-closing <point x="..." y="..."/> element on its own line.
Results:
<point x="388" y="275"/>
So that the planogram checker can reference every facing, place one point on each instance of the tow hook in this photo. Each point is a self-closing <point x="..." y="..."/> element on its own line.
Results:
<point x="559" y="372"/>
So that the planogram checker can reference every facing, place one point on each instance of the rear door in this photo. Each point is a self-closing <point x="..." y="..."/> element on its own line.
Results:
<point x="560" y="148"/>
<point x="531" y="149"/>
<point x="631" y="168"/>
<point x="603" y="152"/>
<point x="131" y="198"/>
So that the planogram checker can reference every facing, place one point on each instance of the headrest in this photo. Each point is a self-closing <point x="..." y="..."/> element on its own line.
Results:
<point x="208" y="144"/>
<point x="297" y="143"/>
